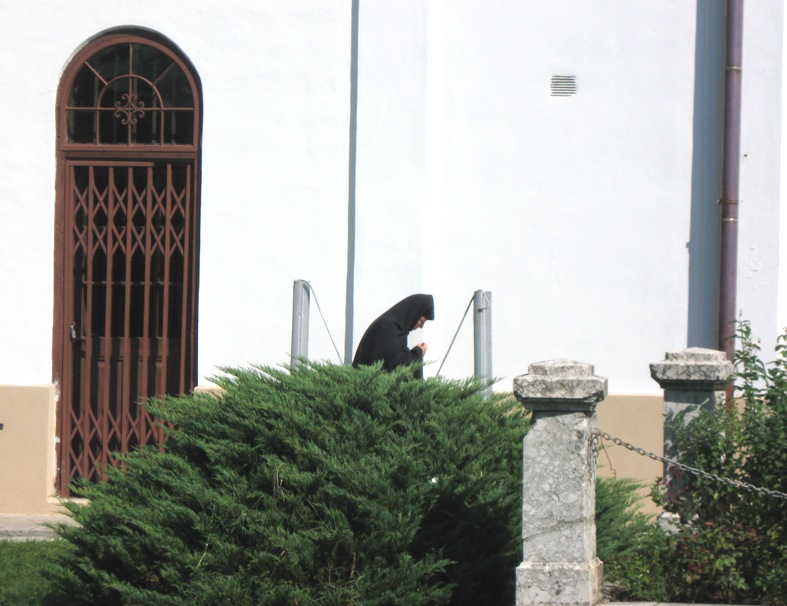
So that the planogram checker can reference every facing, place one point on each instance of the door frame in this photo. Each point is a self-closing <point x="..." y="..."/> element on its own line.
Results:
<point x="66" y="152"/>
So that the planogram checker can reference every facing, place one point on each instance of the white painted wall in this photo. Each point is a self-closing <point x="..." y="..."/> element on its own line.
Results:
<point x="758" y="253"/>
<point x="391" y="225"/>
<point x="781" y="313"/>
<point x="275" y="77"/>
<point x="274" y="197"/>
<point x="551" y="203"/>
<point x="575" y="212"/>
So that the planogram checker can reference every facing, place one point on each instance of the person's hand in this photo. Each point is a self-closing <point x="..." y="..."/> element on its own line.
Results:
<point x="423" y="347"/>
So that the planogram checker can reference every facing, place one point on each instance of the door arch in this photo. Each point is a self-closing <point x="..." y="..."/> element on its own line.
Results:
<point x="126" y="244"/>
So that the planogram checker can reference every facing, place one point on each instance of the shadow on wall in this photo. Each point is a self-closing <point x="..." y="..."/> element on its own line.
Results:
<point x="704" y="240"/>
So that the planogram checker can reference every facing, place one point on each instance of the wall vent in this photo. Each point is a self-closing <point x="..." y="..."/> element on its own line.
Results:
<point x="564" y="86"/>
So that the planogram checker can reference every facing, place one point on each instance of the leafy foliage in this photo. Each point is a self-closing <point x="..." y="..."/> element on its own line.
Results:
<point x="731" y="543"/>
<point x="306" y="485"/>
<point x="647" y="572"/>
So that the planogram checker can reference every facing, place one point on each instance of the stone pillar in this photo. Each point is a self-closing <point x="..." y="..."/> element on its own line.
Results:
<point x="559" y="491"/>
<point x="692" y="380"/>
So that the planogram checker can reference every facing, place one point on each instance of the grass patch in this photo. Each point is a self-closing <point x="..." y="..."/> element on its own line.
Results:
<point x="22" y="568"/>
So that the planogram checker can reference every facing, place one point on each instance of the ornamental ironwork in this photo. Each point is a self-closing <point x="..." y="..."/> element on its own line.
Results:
<point x="131" y="107"/>
<point x="126" y="243"/>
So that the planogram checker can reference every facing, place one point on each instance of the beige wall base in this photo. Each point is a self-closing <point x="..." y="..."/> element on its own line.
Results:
<point x="638" y="420"/>
<point x="28" y="465"/>
<point x="27" y="449"/>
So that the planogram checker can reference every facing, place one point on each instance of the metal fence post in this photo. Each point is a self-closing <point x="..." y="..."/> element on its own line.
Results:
<point x="559" y="564"/>
<point x="301" y="298"/>
<point x="482" y="333"/>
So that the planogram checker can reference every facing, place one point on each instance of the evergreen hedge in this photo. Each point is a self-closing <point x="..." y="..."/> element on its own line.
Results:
<point x="313" y="484"/>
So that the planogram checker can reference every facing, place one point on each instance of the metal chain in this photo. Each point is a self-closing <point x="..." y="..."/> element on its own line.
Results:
<point x="692" y="470"/>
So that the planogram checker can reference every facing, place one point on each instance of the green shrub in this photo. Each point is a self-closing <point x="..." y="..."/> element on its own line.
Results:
<point x="620" y="525"/>
<point x="731" y="543"/>
<point x="306" y="485"/>
<point x="631" y="544"/>
<point x="22" y="571"/>
<point x="646" y="573"/>
<point x="736" y="542"/>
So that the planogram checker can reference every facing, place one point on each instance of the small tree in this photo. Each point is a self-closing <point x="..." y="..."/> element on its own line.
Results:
<point x="314" y="484"/>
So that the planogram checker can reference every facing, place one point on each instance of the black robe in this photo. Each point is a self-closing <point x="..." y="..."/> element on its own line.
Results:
<point x="386" y="338"/>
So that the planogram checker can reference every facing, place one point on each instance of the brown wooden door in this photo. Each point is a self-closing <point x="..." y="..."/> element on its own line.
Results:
<point x="126" y="263"/>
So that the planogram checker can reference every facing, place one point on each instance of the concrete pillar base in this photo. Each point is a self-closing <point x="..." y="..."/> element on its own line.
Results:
<point x="567" y="584"/>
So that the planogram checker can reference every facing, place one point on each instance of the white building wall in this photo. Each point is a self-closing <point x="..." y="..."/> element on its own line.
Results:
<point x="575" y="212"/>
<point x="390" y="192"/>
<point x="553" y="203"/>
<point x="782" y="290"/>
<point x="550" y="203"/>
<point x="758" y="253"/>
<point x="275" y="78"/>
<point x="274" y="197"/>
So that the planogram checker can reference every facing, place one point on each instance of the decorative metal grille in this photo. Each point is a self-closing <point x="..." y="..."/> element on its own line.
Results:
<point x="130" y="93"/>
<point x="130" y="238"/>
<point x="127" y="217"/>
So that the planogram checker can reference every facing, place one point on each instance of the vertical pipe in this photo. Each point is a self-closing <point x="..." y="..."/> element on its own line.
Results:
<point x="730" y="177"/>
<point x="349" y="306"/>
<point x="300" y="320"/>
<point x="482" y="336"/>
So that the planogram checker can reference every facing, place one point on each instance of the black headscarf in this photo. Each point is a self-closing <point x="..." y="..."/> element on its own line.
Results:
<point x="386" y="338"/>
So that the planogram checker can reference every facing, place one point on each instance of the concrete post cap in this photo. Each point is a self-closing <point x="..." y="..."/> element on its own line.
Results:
<point x="560" y="385"/>
<point x="692" y="369"/>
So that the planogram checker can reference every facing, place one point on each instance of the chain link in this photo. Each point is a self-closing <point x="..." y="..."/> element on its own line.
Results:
<point x="692" y="470"/>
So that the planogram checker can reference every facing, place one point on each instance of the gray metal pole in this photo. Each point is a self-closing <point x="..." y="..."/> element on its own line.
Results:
<point x="301" y="297"/>
<point x="482" y="333"/>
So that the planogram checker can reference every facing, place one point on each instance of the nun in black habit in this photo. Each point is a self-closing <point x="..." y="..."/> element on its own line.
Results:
<point x="386" y="338"/>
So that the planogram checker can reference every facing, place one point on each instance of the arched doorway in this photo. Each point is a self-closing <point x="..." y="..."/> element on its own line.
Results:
<point x="126" y="244"/>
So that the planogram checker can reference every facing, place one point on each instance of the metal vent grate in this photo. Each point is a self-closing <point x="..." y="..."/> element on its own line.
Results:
<point x="564" y="86"/>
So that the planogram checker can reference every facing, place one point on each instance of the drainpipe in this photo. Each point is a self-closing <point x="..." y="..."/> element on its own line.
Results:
<point x="730" y="177"/>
